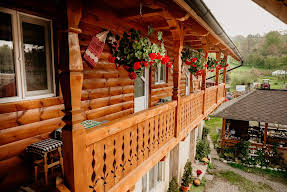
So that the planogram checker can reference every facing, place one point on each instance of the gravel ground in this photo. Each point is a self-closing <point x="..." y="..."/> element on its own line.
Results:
<point x="219" y="184"/>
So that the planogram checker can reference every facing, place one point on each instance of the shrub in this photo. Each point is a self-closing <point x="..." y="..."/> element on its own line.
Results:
<point x="202" y="149"/>
<point x="173" y="185"/>
<point x="187" y="174"/>
<point x="205" y="132"/>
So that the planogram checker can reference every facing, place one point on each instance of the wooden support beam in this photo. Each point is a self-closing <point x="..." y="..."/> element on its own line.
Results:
<point x="223" y="133"/>
<point x="71" y="79"/>
<point x="265" y="133"/>
<point x="224" y="70"/>
<point x="217" y="71"/>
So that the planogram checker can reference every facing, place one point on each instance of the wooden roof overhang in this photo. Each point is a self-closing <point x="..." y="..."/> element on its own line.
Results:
<point x="166" y="16"/>
<point x="278" y="8"/>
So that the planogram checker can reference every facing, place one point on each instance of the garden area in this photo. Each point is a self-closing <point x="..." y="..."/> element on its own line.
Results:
<point x="235" y="170"/>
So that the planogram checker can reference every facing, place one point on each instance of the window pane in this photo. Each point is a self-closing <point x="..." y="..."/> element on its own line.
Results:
<point x="35" y="56"/>
<point x="162" y="73"/>
<point x="159" y="173"/>
<point x="156" y="75"/>
<point x="139" y="87"/>
<point x="144" y="183"/>
<point x="7" y="66"/>
<point x="152" y="177"/>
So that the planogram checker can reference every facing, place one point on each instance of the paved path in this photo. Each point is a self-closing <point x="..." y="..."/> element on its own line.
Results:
<point x="219" y="184"/>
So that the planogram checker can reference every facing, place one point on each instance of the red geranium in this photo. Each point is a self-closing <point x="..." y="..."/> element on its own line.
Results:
<point x="132" y="75"/>
<point x="193" y="65"/>
<point x="227" y="65"/>
<point x="144" y="63"/>
<point x="205" y="65"/>
<point x="111" y="59"/>
<point x="212" y="70"/>
<point x="165" y="59"/>
<point x="137" y="65"/>
<point x="193" y="59"/>
<point x="206" y="55"/>
<point x="198" y="172"/>
<point x="187" y="62"/>
<point x="151" y="62"/>
<point x="152" y="56"/>
<point x="169" y="64"/>
<point x="158" y="56"/>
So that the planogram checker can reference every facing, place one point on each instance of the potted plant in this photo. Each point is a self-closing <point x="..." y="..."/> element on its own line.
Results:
<point x="173" y="185"/>
<point x="136" y="52"/>
<point x="187" y="177"/>
<point x="194" y="59"/>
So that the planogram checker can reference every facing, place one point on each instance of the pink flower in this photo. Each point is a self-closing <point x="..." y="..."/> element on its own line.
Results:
<point x="152" y="56"/>
<point x="132" y="75"/>
<point x="137" y="65"/>
<point x="193" y="59"/>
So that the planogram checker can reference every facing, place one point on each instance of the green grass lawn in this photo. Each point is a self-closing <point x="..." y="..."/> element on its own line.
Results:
<point x="248" y="74"/>
<point x="212" y="124"/>
<point x="243" y="183"/>
<point x="272" y="175"/>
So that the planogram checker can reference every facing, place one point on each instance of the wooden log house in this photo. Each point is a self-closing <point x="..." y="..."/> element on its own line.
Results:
<point x="116" y="155"/>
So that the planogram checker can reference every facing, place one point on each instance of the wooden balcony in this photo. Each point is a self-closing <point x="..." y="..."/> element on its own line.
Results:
<point x="120" y="152"/>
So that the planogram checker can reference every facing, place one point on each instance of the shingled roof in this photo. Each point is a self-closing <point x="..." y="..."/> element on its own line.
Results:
<point x="268" y="106"/>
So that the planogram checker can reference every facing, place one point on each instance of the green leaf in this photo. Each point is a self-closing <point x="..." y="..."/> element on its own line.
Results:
<point x="159" y="35"/>
<point x="150" y="30"/>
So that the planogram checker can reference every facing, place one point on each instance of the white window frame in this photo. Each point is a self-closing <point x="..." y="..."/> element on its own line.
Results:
<point x="158" y="75"/>
<point x="18" y="52"/>
<point x="145" y="178"/>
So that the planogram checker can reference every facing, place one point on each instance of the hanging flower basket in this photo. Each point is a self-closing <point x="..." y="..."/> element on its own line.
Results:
<point x="211" y="64"/>
<point x="136" y="52"/>
<point x="194" y="59"/>
<point x="221" y="63"/>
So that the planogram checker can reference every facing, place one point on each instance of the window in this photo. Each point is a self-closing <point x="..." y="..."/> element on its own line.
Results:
<point x="160" y="74"/>
<point x="26" y="61"/>
<point x="153" y="178"/>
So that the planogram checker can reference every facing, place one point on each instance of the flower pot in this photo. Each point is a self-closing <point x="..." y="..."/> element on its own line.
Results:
<point x="184" y="188"/>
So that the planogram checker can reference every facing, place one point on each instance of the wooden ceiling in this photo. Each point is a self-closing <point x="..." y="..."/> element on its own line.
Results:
<point x="278" y="8"/>
<point x="163" y="15"/>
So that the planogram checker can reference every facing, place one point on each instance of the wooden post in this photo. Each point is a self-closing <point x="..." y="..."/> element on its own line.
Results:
<point x="71" y="79"/>
<point x="149" y="87"/>
<point x="223" y="133"/>
<point x="265" y="133"/>
<point x="224" y="71"/>
<point x="224" y="76"/>
<point x="217" y="71"/>
<point x="218" y="54"/>
<point x="203" y="85"/>
<point x="178" y="45"/>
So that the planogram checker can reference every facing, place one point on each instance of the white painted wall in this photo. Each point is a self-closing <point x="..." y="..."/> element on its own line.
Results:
<point x="183" y="155"/>
<point x="160" y="186"/>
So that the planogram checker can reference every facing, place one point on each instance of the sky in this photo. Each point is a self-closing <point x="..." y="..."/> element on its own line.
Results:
<point x="243" y="17"/>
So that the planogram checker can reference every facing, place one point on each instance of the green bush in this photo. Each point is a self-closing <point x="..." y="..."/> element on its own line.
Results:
<point x="173" y="185"/>
<point x="202" y="149"/>
<point x="205" y="132"/>
<point x="187" y="174"/>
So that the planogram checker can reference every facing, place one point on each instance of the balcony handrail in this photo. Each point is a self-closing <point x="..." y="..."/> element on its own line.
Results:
<point x="96" y="134"/>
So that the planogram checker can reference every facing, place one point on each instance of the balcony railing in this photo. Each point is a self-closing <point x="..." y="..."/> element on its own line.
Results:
<point x="120" y="152"/>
